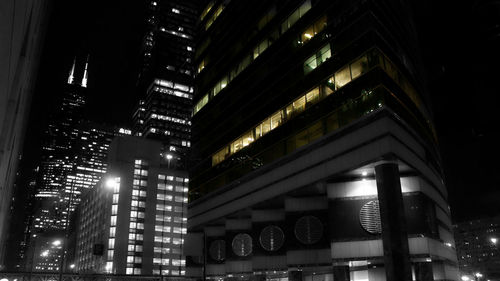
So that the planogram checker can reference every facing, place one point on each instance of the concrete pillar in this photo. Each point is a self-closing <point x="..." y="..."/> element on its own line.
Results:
<point x="394" y="234"/>
<point x="423" y="271"/>
<point x="341" y="273"/>
<point x="295" y="275"/>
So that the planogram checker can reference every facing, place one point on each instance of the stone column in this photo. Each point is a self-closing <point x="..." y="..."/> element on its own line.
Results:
<point x="394" y="234"/>
<point x="295" y="275"/>
<point x="423" y="271"/>
<point x="341" y="273"/>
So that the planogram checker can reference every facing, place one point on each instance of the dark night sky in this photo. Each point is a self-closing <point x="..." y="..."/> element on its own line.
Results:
<point x="463" y="74"/>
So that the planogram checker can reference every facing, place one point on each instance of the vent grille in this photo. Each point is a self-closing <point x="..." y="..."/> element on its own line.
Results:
<point x="369" y="217"/>
<point x="242" y="245"/>
<point x="271" y="238"/>
<point x="217" y="250"/>
<point x="308" y="230"/>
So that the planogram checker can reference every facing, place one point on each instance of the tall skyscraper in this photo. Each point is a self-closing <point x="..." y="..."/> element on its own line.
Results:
<point x="166" y="79"/>
<point x="132" y="222"/>
<point x="74" y="158"/>
<point x="318" y="157"/>
<point x="58" y="154"/>
<point x="23" y="30"/>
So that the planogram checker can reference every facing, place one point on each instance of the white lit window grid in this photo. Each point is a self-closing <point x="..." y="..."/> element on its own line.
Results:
<point x="173" y="92"/>
<point x="169" y="118"/>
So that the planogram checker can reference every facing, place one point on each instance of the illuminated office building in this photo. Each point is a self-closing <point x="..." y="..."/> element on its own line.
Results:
<point x="132" y="222"/>
<point x="58" y="157"/>
<point x="317" y="157"/>
<point x="74" y="156"/>
<point x="478" y="248"/>
<point x="166" y="78"/>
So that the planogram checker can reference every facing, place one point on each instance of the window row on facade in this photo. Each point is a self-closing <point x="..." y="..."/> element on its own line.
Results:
<point x="257" y="50"/>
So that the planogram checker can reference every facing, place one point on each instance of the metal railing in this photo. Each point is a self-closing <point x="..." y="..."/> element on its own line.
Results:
<point x="54" y="276"/>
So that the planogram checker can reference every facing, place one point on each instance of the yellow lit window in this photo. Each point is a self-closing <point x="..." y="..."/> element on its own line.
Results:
<point x="220" y="156"/>
<point x="342" y="77"/>
<point x="207" y="9"/>
<point x="214" y="16"/>
<point x="265" y="126"/>
<point x="360" y="66"/>
<point x="247" y="138"/>
<point x="329" y="86"/>
<point x="236" y="146"/>
<point x="312" y="96"/>
<point x="260" y="48"/>
<point x="201" y="103"/>
<point x="201" y="66"/>
<point x="313" y="29"/>
<point x="276" y="119"/>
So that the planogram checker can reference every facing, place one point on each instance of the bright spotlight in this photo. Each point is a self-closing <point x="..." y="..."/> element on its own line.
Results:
<point x="56" y="243"/>
<point x="494" y="240"/>
<point x="110" y="183"/>
<point x="72" y="266"/>
<point x="45" y="253"/>
<point x="364" y="173"/>
<point x="465" y="278"/>
<point x="169" y="156"/>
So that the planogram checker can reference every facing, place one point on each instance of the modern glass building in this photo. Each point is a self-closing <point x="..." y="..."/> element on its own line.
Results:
<point x="165" y="82"/>
<point x="317" y="155"/>
<point x="133" y="221"/>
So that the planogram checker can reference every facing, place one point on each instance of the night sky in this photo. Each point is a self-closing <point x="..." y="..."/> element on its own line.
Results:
<point x="461" y="58"/>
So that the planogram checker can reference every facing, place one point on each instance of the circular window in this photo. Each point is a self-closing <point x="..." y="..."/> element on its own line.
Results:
<point x="271" y="238"/>
<point x="242" y="245"/>
<point x="308" y="230"/>
<point x="217" y="250"/>
<point x="369" y="217"/>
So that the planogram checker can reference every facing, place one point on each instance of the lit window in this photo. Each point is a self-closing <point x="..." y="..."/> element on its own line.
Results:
<point x="114" y="209"/>
<point x="295" y="16"/>
<point x="112" y="231"/>
<point x="312" y="30"/>
<point x="342" y="77"/>
<point x="315" y="60"/>
<point x="113" y="221"/>
<point x="111" y="243"/>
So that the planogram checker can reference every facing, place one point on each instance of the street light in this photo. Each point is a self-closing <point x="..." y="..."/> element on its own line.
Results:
<point x="494" y="240"/>
<point x="169" y="157"/>
<point x="110" y="183"/>
<point x="45" y="253"/>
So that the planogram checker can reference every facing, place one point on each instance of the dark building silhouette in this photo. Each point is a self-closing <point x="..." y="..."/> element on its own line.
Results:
<point x="316" y="152"/>
<point x="22" y="34"/>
